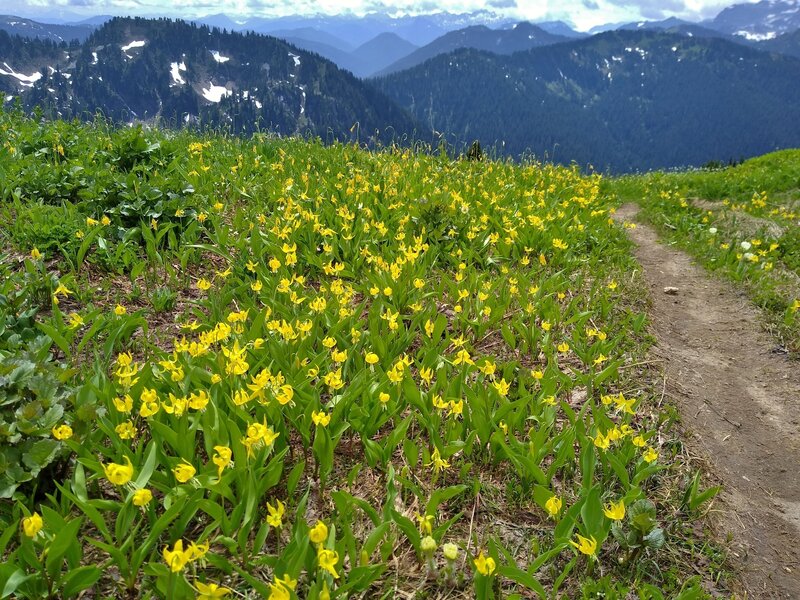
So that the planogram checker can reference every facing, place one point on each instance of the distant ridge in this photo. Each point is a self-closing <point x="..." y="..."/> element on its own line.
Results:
<point x="522" y="36"/>
<point x="140" y="69"/>
<point x="621" y="101"/>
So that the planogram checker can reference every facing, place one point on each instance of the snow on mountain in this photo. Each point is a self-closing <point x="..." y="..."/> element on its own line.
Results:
<point x="24" y="80"/>
<point x="215" y="93"/>
<point x="133" y="44"/>
<point x="175" y="70"/>
<point x="760" y="21"/>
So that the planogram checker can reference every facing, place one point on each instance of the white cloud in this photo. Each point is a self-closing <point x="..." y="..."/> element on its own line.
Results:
<point x="583" y="13"/>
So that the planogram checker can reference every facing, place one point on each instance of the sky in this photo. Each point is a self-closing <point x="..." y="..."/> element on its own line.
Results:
<point x="582" y="14"/>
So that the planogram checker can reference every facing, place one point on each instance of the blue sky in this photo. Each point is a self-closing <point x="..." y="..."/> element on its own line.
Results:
<point x="582" y="13"/>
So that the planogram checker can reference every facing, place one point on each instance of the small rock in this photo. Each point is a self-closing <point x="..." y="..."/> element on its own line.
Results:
<point x="671" y="291"/>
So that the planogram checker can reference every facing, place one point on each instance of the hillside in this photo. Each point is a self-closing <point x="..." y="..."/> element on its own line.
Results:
<point x="27" y="28"/>
<point x="280" y="369"/>
<point x="522" y="36"/>
<point x="758" y="21"/>
<point x="137" y="69"/>
<point x="363" y="61"/>
<point x="788" y="43"/>
<point x="619" y="101"/>
<point x="381" y="51"/>
<point x="679" y="26"/>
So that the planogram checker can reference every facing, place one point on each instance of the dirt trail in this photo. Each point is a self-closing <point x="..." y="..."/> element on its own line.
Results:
<point x="740" y="401"/>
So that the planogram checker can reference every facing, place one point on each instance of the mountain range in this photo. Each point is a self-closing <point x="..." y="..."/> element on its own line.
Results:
<point x="139" y="69"/>
<point x="522" y="36"/>
<point x="378" y="44"/>
<point x="54" y="32"/>
<point x="643" y="95"/>
<point x="621" y="100"/>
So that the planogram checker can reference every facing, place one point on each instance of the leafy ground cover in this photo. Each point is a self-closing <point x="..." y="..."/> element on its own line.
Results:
<point x="269" y="368"/>
<point x="740" y="221"/>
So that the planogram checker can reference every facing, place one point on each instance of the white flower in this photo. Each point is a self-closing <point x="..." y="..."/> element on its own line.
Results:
<point x="712" y="230"/>
<point x="746" y="245"/>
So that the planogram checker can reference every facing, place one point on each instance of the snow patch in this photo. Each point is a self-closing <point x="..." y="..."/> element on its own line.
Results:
<point x="756" y="37"/>
<point x="296" y="59"/>
<point x="94" y="58"/>
<point x="134" y="44"/>
<point x="218" y="57"/>
<point x="25" y="80"/>
<point x="9" y="98"/>
<point x="215" y="93"/>
<point x="175" y="70"/>
<point x="259" y="105"/>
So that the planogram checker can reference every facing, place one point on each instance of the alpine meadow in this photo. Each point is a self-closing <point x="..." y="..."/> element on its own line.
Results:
<point x="299" y="334"/>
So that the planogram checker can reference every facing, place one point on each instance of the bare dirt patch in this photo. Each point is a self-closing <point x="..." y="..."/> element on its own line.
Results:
<point x="740" y="404"/>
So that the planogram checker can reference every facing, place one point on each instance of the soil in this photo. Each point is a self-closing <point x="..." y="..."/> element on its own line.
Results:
<point x="739" y="400"/>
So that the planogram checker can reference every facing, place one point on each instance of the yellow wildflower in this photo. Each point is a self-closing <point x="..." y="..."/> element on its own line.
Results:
<point x="586" y="546"/>
<point x="175" y="558"/>
<point x="119" y="474"/>
<point x="32" y="525"/>
<point x="222" y="458"/>
<point x="318" y="533"/>
<point x="327" y="561"/>
<point x="126" y="430"/>
<point x="184" y="472"/>
<point x="210" y="591"/>
<point x="485" y="565"/>
<point x="142" y="497"/>
<point x="275" y="517"/>
<point x="62" y="432"/>
<point x="615" y="510"/>
<point x="553" y="505"/>
<point x="320" y="418"/>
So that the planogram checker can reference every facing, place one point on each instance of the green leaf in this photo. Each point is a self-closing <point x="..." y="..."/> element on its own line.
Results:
<point x="588" y="459"/>
<point x="523" y="578"/>
<point x="508" y="336"/>
<point x="148" y="467"/>
<point x="443" y="495"/>
<point x="40" y="455"/>
<point x="294" y="477"/>
<point x="374" y="538"/>
<point x="80" y="579"/>
<point x="55" y="335"/>
<point x="85" y="245"/>
<point x="65" y="537"/>
<point x="655" y="539"/>
<point x="11" y="577"/>
<point x="592" y="515"/>
<point x="407" y="526"/>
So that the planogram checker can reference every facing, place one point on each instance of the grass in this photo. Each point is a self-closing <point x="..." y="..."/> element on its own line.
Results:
<point x="288" y="370"/>
<point x="740" y="222"/>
